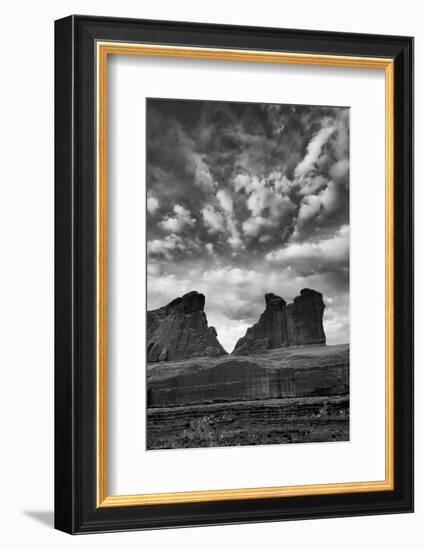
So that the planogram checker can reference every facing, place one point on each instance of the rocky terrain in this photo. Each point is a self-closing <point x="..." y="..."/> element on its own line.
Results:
<point x="280" y="384"/>
<point x="272" y="421"/>
<point x="284" y="395"/>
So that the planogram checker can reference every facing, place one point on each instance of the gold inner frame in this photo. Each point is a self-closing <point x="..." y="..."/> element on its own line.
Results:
<point x="103" y="50"/>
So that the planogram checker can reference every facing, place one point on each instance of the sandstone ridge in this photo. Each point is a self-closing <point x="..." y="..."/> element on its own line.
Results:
<point x="301" y="371"/>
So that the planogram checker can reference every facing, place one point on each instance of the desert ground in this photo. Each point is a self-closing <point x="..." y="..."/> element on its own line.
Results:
<point x="285" y="395"/>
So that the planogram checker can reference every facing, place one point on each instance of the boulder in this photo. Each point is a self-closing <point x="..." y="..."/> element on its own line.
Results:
<point x="180" y="330"/>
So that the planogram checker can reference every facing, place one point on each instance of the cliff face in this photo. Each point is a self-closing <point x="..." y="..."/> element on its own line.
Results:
<point x="283" y="325"/>
<point x="304" y="371"/>
<point x="180" y="330"/>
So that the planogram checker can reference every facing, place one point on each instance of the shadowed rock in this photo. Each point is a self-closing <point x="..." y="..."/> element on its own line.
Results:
<point x="289" y="372"/>
<point x="269" y="332"/>
<point x="283" y="325"/>
<point x="180" y="330"/>
<point x="304" y="318"/>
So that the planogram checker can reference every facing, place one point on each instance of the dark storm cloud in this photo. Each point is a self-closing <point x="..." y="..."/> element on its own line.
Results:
<point x="246" y="192"/>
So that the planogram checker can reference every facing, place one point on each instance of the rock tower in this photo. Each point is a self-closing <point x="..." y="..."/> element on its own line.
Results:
<point x="284" y="324"/>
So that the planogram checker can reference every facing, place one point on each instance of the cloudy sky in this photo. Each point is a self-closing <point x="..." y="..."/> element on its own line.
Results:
<point x="244" y="199"/>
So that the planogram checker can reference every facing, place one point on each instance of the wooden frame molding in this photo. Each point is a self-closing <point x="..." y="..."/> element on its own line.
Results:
<point x="83" y="45"/>
<point x="103" y="50"/>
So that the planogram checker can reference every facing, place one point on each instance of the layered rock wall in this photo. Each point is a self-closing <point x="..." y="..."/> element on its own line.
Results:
<point x="281" y="374"/>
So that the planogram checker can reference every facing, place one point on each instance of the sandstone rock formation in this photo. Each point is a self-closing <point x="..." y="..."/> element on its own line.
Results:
<point x="269" y="332"/>
<point x="180" y="330"/>
<point x="304" y="318"/>
<point x="283" y="325"/>
<point x="304" y="371"/>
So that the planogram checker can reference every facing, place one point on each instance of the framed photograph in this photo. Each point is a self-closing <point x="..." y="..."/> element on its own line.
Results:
<point x="234" y="274"/>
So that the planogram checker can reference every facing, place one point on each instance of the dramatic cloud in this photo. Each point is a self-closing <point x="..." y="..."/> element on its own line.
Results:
<point x="315" y="257"/>
<point x="313" y="152"/>
<point x="246" y="199"/>
<point x="213" y="220"/>
<point x="165" y="247"/>
<point x="152" y="204"/>
<point x="225" y="201"/>
<point x="177" y="223"/>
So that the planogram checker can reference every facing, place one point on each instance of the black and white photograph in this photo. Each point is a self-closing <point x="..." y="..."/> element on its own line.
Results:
<point x="233" y="276"/>
<point x="247" y="273"/>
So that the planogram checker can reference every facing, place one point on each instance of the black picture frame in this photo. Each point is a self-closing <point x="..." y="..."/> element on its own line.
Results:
<point x="76" y="509"/>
